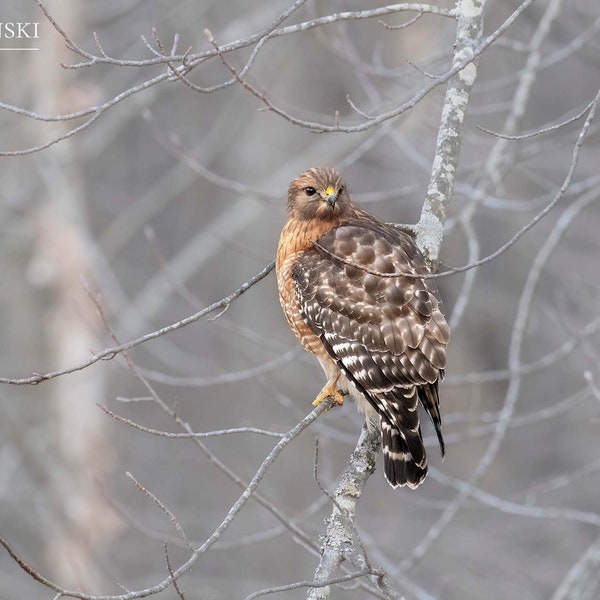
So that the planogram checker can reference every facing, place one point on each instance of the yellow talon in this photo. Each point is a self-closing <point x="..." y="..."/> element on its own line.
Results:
<point x="329" y="391"/>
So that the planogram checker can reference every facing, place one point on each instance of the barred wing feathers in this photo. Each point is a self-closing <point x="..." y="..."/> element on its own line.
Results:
<point x="388" y="335"/>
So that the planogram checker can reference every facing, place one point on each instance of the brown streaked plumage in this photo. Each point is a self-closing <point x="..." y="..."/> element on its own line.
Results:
<point x="381" y="339"/>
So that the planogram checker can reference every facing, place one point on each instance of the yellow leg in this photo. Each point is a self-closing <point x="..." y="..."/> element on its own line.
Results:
<point x="329" y="391"/>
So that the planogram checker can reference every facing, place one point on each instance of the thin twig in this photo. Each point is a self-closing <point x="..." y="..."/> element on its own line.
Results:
<point x="31" y="571"/>
<point x="403" y="25"/>
<point x="232" y="376"/>
<point x="170" y="569"/>
<point x="110" y="353"/>
<point x="163" y="507"/>
<point x="309" y="584"/>
<point x="383" y="117"/>
<point x="185" y="435"/>
<point x="543" y="130"/>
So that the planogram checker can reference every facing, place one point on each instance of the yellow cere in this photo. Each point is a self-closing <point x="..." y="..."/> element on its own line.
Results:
<point x="330" y="191"/>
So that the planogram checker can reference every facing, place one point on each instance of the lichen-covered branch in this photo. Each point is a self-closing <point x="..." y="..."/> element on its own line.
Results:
<point x="430" y="228"/>
<point x="340" y="541"/>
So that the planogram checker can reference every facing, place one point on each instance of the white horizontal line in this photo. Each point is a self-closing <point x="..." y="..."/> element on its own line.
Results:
<point x="17" y="49"/>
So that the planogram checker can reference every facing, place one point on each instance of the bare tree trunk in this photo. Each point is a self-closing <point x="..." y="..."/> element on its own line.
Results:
<point x="61" y="261"/>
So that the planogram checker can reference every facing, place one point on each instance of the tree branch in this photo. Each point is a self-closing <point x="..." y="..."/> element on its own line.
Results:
<point x="430" y="228"/>
<point x="110" y="353"/>
<point x="340" y="536"/>
<point x="210" y="540"/>
<point x="582" y="581"/>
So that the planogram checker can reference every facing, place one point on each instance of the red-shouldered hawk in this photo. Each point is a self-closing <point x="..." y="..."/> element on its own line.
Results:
<point x="379" y="336"/>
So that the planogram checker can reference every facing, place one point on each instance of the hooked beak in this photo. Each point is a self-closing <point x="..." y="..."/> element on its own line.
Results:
<point x="330" y="196"/>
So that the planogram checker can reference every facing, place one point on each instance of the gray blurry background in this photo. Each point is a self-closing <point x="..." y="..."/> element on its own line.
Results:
<point x="173" y="198"/>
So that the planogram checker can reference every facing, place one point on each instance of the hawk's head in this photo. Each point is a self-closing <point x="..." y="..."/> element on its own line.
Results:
<point x="319" y="193"/>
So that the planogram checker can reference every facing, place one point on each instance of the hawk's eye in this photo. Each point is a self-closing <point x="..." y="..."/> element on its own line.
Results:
<point x="341" y="190"/>
<point x="310" y="191"/>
